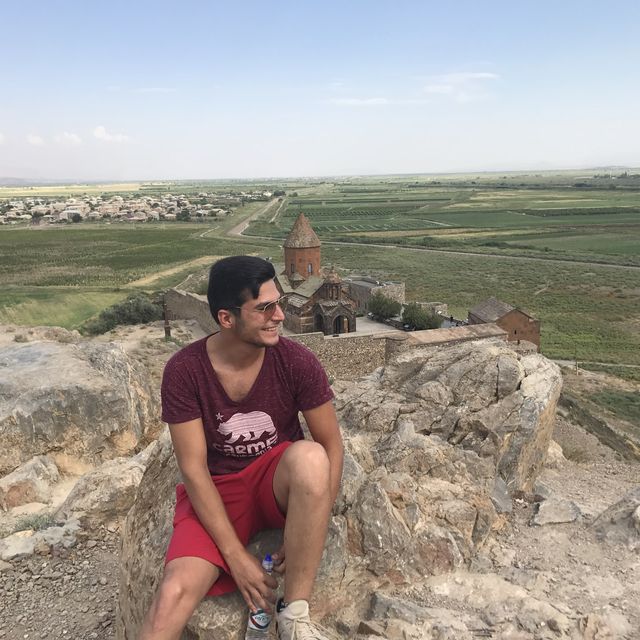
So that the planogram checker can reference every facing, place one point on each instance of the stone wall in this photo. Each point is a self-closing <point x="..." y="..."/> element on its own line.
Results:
<point x="435" y="307"/>
<point x="393" y="290"/>
<point x="298" y="323"/>
<point x="189" y="306"/>
<point x="436" y="338"/>
<point x="347" y="356"/>
<point x="361" y="289"/>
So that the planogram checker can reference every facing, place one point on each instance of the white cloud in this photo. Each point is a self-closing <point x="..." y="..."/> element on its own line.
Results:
<point x="155" y="90"/>
<point x="464" y="77"/>
<point x="35" y="140"/>
<point x="439" y="88"/>
<point x="466" y="86"/>
<point x="102" y="134"/>
<point x="359" y="102"/>
<point x="374" y="102"/>
<point x="65" y="137"/>
<point x="1" y="137"/>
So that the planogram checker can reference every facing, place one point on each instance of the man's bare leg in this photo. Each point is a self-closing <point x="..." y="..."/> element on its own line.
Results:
<point x="302" y="489"/>
<point x="184" y="584"/>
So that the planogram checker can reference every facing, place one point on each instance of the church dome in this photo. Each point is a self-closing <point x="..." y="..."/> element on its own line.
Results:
<point x="302" y="236"/>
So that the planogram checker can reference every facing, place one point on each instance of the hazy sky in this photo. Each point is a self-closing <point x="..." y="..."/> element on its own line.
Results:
<point x="142" y="90"/>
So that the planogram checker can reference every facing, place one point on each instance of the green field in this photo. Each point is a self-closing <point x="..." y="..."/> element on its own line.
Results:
<point x="63" y="307"/>
<point x="506" y="236"/>
<point x="625" y="404"/>
<point x="593" y="224"/>
<point x="65" y="275"/>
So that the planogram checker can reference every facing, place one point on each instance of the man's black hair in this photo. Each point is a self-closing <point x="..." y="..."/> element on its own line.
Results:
<point x="232" y="280"/>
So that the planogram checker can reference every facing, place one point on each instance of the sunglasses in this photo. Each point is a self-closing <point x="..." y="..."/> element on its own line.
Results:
<point x="269" y="308"/>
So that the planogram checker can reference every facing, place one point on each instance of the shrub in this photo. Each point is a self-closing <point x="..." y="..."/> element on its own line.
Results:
<point x="383" y="307"/>
<point x="36" y="522"/>
<point x="418" y="317"/>
<point x="136" y="309"/>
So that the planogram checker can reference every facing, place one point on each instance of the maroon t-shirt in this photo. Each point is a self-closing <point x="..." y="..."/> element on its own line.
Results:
<point x="291" y="379"/>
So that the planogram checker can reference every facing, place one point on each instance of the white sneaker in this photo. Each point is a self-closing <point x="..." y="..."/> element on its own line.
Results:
<point x="293" y="623"/>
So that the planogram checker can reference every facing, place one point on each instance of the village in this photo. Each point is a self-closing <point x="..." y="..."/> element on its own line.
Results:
<point x="136" y="207"/>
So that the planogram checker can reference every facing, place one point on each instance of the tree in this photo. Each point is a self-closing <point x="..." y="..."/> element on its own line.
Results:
<point x="136" y="309"/>
<point x="419" y="318"/>
<point x="183" y="215"/>
<point x="76" y="217"/>
<point x="383" y="307"/>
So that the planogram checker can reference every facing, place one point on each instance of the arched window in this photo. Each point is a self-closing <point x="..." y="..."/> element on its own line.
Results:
<point x="309" y="268"/>
<point x="292" y="268"/>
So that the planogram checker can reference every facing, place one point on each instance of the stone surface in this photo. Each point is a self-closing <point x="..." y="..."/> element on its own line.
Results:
<point x="426" y="438"/>
<point x="620" y="523"/>
<point x="86" y="399"/>
<point x="25" y="543"/>
<point x="500" y="496"/>
<point x="107" y="493"/>
<point x="150" y="529"/>
<point x="30" y="482"/>
<point x="555" y="456"/>
<point x="556" y="511"/>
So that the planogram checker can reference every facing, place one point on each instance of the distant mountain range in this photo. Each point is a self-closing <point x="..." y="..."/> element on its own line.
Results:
<point x="39" y="182"/>
<point x="14" y="182"/>
<point x="35" y="182"/>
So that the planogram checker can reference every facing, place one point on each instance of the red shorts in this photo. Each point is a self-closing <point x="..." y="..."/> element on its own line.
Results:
<point x="251" y="507"/>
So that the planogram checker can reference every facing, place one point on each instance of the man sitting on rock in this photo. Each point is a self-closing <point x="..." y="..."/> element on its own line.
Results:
<point x="232" y="402"/>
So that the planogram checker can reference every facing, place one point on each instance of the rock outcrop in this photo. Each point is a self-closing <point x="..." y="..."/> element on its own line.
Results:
<point x="106" y="493"/>
<point x="25" y="543"/>
<point x="76" y="401"/>
<point x="30" y="482"/>
<point x="429" y="439"/>
<point x="620" y="523"/>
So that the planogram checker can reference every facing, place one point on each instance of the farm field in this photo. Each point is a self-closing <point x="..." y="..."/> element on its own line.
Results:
<point x="566" y="223"/>
<point x="587" y="312"/>
<point x="66" y="274"/>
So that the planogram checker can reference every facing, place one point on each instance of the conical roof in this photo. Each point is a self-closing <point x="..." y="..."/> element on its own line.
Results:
<point x="301" y="236"/>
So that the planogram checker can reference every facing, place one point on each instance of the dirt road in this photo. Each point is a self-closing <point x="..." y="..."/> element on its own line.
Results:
<point x="239" y="228"/>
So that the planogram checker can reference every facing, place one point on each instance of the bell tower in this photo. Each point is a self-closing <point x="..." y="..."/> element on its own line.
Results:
<point x="302" y="250"/>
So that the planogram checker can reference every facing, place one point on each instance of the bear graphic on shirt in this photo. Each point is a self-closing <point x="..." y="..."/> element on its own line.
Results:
<point x="247" y="434"/>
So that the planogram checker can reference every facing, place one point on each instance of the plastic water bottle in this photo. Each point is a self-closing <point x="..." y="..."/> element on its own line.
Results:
<point x="259" y="621"/>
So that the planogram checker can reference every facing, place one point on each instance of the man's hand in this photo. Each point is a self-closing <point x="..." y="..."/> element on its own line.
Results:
<point x="278" y="561"/>
<point x="255" y="584"/>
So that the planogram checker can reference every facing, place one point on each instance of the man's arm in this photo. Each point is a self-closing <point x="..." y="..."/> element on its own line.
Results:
<point x="323" y="427"/>
<point x="190" y="449"/>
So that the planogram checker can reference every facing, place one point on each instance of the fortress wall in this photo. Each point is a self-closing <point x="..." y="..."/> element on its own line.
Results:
<point x="453" y="335"/>
<point x="189" y="306"/>
<point x="347" y="356"/>
<point x="361" y="294"/>
<point x="393" y="290"/>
